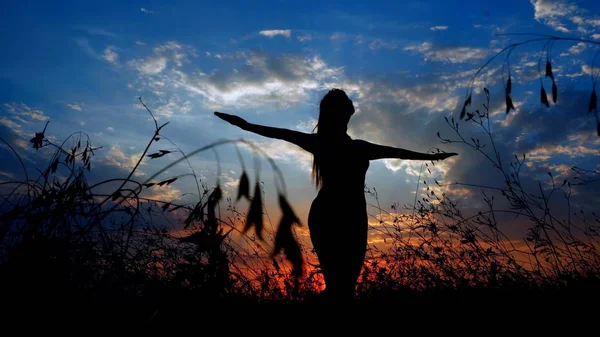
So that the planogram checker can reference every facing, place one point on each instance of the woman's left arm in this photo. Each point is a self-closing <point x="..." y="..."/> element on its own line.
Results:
<point x="376" y="151"/>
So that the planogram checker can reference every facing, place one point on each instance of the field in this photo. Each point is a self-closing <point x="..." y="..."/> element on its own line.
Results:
<point x="105" y="250"/>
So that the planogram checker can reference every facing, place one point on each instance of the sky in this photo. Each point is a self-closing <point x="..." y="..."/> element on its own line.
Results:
<point x="405" y="64"/>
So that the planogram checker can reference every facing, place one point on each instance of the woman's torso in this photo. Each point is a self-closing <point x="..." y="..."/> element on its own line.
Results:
<point x="343" y="168"/>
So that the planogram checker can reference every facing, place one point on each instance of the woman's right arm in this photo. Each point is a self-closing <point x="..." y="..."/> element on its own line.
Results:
<point x="304" y="140"/>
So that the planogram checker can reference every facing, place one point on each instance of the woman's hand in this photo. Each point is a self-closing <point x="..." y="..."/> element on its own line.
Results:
<point x="232" y="119"/>
<point x="442" y="156"/>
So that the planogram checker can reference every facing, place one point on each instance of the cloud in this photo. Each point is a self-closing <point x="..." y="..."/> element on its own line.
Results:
<point x="86" y="47"/>
<point x="139" y="43"/>
<point x="546" y="152"/>
<point x="305" y="37"/>
<point x="227" y="56"/>
<point x="97" y="31"/>
<point x="179" y="53"/>
<point x="260" y="79"/>
<point x="285" y="152"/>
<point x="561" y="15"/>
<point x="561" y="29"/>
<point x="441" y="27"/>
<point x="585" y="70"/>
<point x="596" y="36"/>
<point x="147" y="11"/>
<point x="110" y="55"/>
<point x="149" y="66"/>
<point x="166" y="193"/>
<point x="174" y="105"/>
<point x="9" y="123"/>
<point x="163" y="54"/>
<point x="379" y="44"/>
<point x="403" y="111"/>
<point x="75" y="106"/>
<point x="110" y="129"/>
<point x="337" y="36"/>
<point x="275" y="32"/>
<point x="116" y="157"/>
<point x="21" y="109"/>
<point x="575" y="49"/>
<point x="550" y="12"/>
<point x="448" y="54"/>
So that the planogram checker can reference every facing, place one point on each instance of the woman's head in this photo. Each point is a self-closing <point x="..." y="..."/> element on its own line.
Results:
<point x="335" y="111"/>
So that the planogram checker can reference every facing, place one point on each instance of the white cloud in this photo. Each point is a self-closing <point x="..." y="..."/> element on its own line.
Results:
<point x="415" y="168"/>
<point x="8" y="175"/>
<point x="275" y="32"/>
<point x="110" y="55"/>
<point x="167" y="192"/>
<point x="147" y="11"/>
<point x="585" y="70"/>
<point x="9" y="124"/>
<point x="284" y="151"/>
<point x="157" y="63"/>
<point x="560" y="14"/>
<point x="441" y="27"/>
<point x="337" y="36"/>
<point x="551" y="12"/>
<point x="116" y="157"/>
<point x="577" y="19"/>
<point x="140" y="43"/>
<point x="261" y="80"/>
<point x="596" y="36"/>
<point x="575" y="49"/>
<point x="23" y="110"/>
<point x="379" y="44"/>
<point x="149" y="66"/>
<point x="169" y="45"/>
<point x="448" y="54"/>
<point x="305" y="37"/>
<point x="177" y="51"/>
<point x="174" y="106"/>
<point x="98" y="31"/>
<point x="86" y="47"/>
<point x="307" y="126"/>
<point x="543" y="153"/>
<point x="562" y="29"/>
<point x="228" y="56"/>
<point x="110" y="129"/>
<point x="75" y="106"/>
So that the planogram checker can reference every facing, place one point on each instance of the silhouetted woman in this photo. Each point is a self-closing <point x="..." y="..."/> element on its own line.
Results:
<point x="337" y="219"/>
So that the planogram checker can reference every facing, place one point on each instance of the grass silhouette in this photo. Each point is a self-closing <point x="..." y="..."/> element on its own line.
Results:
<point x="122" y="256"/>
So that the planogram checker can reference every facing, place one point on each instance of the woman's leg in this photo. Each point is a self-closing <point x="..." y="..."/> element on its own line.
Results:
<point x="352" y="259"/>
<point x="341" y="251"/>
<point x="322" y="235"/>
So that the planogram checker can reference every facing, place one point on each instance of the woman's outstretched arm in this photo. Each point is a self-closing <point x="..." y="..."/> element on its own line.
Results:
<point x="299" y="138"/>
<point x="376" y="151"/>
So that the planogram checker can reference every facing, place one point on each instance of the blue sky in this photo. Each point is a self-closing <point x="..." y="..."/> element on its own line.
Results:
<point x="405" y="64"/>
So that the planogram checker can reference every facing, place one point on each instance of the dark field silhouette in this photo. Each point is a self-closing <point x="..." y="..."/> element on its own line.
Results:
<point x="105" y="251"/>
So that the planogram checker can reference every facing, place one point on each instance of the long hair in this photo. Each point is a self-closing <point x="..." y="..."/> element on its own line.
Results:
<point x="335" y="111"/>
